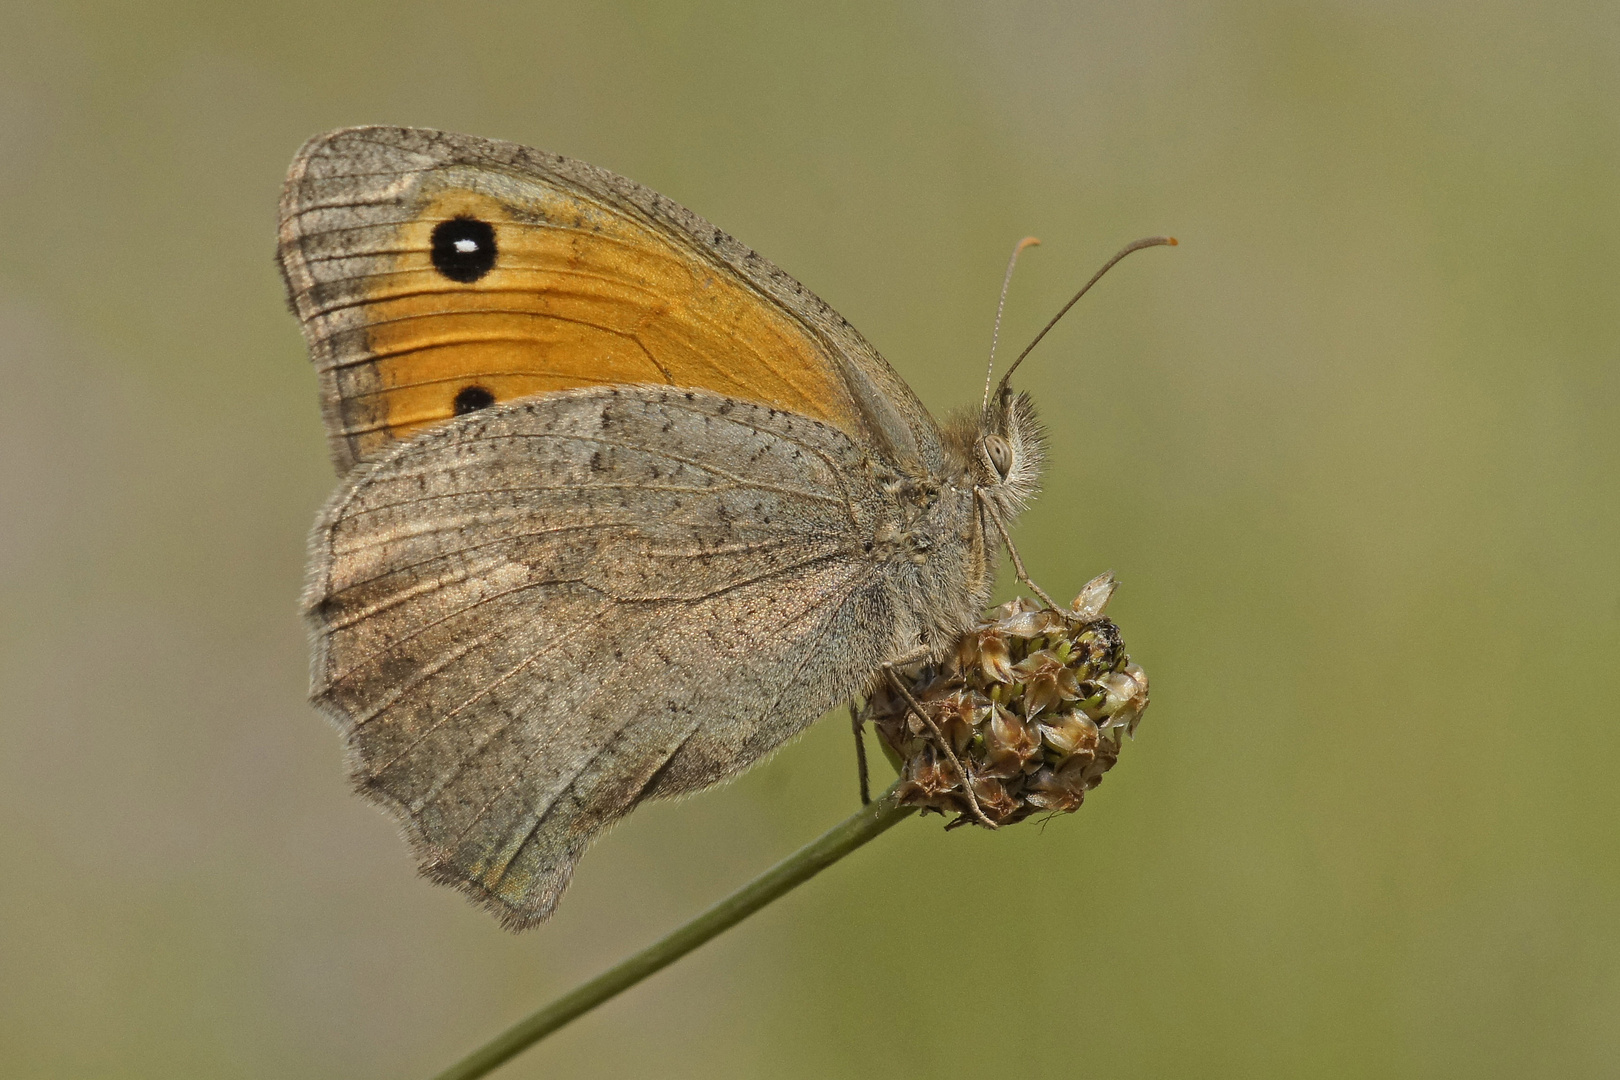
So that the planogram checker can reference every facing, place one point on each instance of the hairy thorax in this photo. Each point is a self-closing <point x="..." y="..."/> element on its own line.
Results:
<point x="938" y="538"/>
<point x="956" y="540"/>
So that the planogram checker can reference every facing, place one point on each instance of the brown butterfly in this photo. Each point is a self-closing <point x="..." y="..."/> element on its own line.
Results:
<point x="624" y="506"/>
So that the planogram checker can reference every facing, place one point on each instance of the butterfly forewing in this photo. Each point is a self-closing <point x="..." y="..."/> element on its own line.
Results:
<point x="438" y="273"/>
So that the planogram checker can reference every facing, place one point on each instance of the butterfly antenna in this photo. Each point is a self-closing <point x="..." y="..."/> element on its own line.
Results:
<point x="1001" y="305"/>
<point x="1145" y="242"/>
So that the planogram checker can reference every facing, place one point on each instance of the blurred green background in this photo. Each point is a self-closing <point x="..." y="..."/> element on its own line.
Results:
<point x="1351" y="448"/>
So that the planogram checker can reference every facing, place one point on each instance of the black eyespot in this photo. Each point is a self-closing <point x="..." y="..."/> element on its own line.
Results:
<point x="473" y="398"/>
<point x="1000" y="453"/>
<point x="463" y="248"/>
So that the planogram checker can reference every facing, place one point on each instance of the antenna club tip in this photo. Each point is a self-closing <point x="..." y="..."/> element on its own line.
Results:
<point x="1171" y="241"/>
<point x="1029" y="241"/>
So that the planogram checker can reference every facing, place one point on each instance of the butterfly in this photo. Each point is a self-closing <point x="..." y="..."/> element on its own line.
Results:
<point x="623" y="506"/>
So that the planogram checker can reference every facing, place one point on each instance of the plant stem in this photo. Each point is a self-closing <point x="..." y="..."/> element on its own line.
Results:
<point x="814" y="857"/>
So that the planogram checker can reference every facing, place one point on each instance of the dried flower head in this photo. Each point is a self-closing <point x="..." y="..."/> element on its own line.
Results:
<point x="1032" y="705"/>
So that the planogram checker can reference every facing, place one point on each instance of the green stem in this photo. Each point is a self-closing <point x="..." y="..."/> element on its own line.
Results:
<point x="814" y="857"/>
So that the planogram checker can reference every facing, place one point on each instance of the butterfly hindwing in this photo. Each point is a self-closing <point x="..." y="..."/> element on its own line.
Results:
<point x="529" y="619"/>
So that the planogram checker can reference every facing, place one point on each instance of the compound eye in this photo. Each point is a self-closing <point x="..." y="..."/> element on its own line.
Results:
<point x="1000" y="454"/>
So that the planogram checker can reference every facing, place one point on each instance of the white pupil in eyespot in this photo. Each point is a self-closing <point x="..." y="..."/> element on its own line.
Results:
<point x="466" y="247"/>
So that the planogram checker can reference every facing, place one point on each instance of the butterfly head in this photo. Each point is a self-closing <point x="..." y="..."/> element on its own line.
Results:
<point x="1004" y="450"/>
<point x="1013" y="446"/>
<point x="1007" y="449"/>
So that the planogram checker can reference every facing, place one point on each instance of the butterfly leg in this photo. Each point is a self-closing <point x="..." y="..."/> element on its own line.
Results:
<point x="1018" y="564"/>
<point x="921" y="652"/>
<point x="860" y="753"/>
<point x="944" y="744"/>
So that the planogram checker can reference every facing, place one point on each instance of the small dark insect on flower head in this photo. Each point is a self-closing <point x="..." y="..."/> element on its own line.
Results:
<point x="1034" y="703"/>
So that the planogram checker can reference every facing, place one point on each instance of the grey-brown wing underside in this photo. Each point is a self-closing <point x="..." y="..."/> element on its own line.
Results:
<point x="529" y="620"/>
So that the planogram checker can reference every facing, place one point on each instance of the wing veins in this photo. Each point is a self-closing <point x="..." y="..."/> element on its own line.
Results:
<point x="673" y="488"/>
<point x="360" y="582"/>
<point x="720" y="590"/>
<point x="344" y="675"/>
<point x="696" y="464"/>
<point x="434" y="529"/>
<point x="440" y="783"/>
<point x="401" y="596"/>
<point x="542" y="814"/>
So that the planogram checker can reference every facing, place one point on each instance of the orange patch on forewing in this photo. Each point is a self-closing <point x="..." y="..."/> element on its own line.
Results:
<point x="577" y="297"/>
